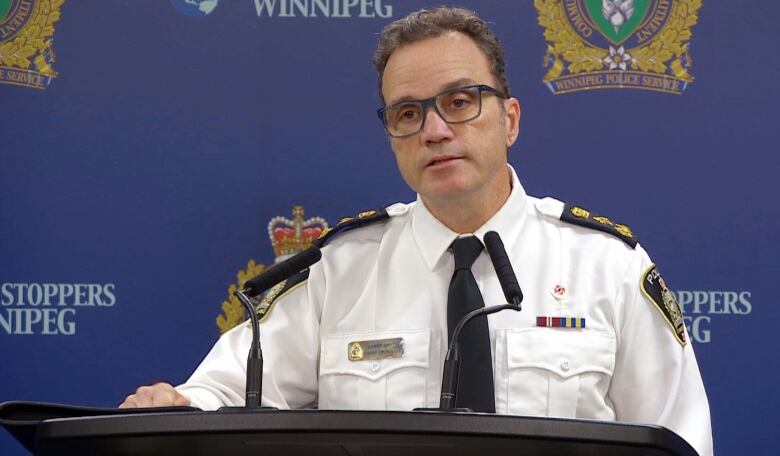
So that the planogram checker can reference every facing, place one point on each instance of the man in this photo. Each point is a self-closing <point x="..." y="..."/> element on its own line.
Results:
<point x="599" y="337"/>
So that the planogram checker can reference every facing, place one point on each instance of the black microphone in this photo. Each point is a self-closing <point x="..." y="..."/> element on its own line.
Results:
<point x="281" y="271"/>
<point x="513" y="294"/>
<point x="268" y="278"/>
<point x="503" y="267"/>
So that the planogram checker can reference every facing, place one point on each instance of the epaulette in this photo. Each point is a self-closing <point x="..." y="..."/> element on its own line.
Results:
<point x="582" y="217"/>
<point x="278" y="291"/>
<point x="349" y="223"/>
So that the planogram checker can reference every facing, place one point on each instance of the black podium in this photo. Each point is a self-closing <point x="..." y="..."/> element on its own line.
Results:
<point x="50" y="429"/>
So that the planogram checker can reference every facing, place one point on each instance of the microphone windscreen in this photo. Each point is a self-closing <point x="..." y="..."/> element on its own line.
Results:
<point x="503" y="267"/>
<point x="281" y="271"/>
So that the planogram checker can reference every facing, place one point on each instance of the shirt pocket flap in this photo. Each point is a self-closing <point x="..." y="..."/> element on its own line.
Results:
<point x="335" y="357"/>
<point x="564" y="352"/>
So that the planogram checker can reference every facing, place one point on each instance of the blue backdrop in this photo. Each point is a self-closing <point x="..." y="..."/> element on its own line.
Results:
<point x="141" y="179"/>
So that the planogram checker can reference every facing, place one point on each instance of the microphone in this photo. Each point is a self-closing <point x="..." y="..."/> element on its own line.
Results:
<point x="281" y="271"/>
<point x="268" y="278"/>
<point x="512" y="293"/>
<point x="503" y="267"/>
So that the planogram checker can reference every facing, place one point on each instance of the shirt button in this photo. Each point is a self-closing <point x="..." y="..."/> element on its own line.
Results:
<point x="565" y="365"/>
<point x="374" y="366"/>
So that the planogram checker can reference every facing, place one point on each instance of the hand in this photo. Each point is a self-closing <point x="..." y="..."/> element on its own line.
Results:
<point x="157" y="395"/>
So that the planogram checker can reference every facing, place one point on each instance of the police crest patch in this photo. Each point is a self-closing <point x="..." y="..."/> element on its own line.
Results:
<point x="618" y="44"/>
<point x="655" y="289"/>
<point x="26" y="41"/>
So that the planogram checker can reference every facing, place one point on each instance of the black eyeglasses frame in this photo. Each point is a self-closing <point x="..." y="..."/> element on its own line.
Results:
<point x="431" y="102"/>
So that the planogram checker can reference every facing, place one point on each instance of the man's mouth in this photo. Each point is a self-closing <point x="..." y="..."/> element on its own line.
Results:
<point x="440" y="160"/>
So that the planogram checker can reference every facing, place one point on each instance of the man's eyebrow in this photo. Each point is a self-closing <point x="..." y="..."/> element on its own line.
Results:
<point x="462" y="82"/>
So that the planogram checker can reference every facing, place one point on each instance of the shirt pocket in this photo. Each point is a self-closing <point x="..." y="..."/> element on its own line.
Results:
<point x="374" y="384"/>
<point x="559" y="372"/>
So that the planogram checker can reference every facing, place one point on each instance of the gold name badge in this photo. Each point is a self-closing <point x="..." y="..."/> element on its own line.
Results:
<point x="363" y="350"/>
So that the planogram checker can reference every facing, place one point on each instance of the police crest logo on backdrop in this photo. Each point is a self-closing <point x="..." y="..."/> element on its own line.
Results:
<point x="618" y="44"/>
<point x="26" y="42"/>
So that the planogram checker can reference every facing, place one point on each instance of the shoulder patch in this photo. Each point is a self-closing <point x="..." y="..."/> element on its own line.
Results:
<point x="578" y="216"/>
<point x="349" y="223"/>
<point x="655" y="289"/>
<point x="278" y="291"/>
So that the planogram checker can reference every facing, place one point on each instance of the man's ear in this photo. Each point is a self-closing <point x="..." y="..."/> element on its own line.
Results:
<point x="512" y="112"/>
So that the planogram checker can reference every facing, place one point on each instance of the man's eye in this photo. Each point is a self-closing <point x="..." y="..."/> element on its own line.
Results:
<point x="460" y="103"/>
<point x="406" y="115"/>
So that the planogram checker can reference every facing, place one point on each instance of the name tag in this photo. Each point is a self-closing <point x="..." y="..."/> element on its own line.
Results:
<point x="364" y="350"/>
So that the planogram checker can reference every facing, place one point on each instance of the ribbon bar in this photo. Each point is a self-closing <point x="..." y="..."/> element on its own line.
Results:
<point x="560" y="322"/>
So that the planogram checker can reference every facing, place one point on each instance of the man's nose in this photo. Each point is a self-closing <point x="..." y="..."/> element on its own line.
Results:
<point x="435" y="129"/>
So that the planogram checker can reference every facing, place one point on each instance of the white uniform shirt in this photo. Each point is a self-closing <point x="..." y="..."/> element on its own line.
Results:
<point x="390" y="280"/>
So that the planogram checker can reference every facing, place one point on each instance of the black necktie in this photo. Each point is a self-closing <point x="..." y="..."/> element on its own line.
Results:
<point x="475" y="388"/>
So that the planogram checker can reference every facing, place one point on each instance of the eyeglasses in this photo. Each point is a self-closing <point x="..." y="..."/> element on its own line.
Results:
<point x="453" y="106"/>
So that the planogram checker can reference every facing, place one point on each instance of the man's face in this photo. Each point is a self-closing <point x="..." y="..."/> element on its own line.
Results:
<point x="450" y="163"/>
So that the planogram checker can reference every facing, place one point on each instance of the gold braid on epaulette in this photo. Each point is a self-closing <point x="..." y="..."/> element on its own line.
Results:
<point x="263" y="309"/>
<point x="348" y="223"/>
<point x="578" y="216"/>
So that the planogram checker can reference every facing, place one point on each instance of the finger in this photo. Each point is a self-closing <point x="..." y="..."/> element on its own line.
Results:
<point x="144" y="396"/>
<point x="182" y="400"/>
<point x="160" y="394"/>
<point x="163" y="398"/>
<point x="129" y="402"/>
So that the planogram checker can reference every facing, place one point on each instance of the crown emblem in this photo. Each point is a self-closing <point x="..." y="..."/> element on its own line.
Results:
<point x="291" y="236"/>
<point x="287" y="238"/>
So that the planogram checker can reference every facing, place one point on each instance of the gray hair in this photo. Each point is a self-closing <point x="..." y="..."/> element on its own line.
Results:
<point x="431" y="23"/>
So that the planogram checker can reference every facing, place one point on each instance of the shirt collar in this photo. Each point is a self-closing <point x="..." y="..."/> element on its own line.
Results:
<point x="433" y="238"/>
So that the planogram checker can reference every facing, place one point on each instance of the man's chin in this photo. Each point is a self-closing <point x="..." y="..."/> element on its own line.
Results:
<point x="446" y="192"/>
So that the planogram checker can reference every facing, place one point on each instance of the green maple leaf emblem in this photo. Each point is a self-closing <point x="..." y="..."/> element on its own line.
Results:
<point x="5" y="5"/>
<point x="617" y="20"/>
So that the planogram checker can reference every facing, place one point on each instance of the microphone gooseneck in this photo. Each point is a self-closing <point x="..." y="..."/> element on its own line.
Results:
<point x="449" y="382"/>
<point x="254" y="362"/>
<point x="513" y="295"/>
<point x="268" y="278"/>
